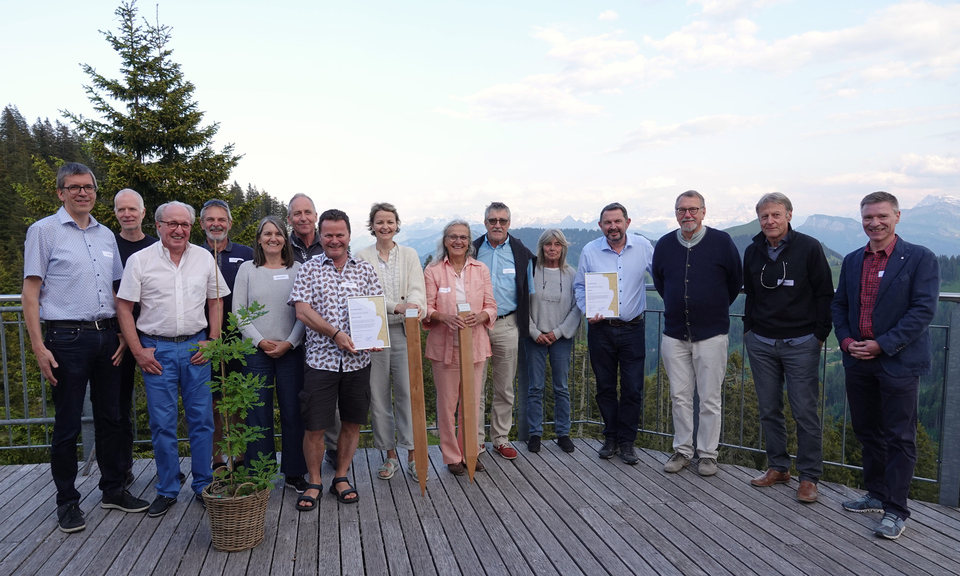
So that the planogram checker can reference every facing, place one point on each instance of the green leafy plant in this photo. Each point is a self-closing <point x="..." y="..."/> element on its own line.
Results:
<point x="239" y="394"/>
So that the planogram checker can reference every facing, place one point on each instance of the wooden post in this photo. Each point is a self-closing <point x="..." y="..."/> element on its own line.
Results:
<point x="418" y="407"/>
<point x="468" y="396"/>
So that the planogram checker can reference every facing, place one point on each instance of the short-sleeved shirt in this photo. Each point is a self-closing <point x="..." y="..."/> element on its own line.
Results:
<point x="326" y="291"/>
<point x="228" y="261"/>
<point x="77" y="267"/>
<point x="171" y="297"/>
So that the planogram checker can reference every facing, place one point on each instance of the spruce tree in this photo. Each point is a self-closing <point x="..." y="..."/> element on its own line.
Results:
<point x="150" y="134"/>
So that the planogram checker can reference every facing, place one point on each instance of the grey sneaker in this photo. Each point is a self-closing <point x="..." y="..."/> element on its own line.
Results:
<point x="863" y="504"/>
<point x="891" y="527"/>
<point x="707" y="466"/>
<point x="676" y="463"/>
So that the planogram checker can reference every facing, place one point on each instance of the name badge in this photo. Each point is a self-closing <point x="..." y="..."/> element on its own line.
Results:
<point x="350" y="285"/>
<point x="281" y="277"/>
<point x="788" y="282"/>
<point x="465" y="307"/>
<point x="235" y="260"/>
<point x="444" y="290"/>
<point x="879" y="274"/>
<point x="412" y="313"/>
<point x="509" y="270"/>
<point x="108" y="254"/>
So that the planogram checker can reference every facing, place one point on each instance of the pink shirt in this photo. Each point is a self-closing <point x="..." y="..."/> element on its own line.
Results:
<point x="441" y="282"/>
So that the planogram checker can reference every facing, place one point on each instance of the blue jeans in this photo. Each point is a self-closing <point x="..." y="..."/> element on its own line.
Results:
<point x="84" y="355"/>
<point x="285" y="375"/>
<point x="161" y="389"/>
<point x="798" y="367"/>
<point x="624" y="348"/>
<point x="536" y="358"/>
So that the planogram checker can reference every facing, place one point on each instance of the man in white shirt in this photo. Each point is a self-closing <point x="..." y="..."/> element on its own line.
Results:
<point x="172" y="280"/>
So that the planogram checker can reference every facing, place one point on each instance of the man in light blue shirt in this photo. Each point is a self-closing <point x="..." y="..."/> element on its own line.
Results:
<point x="511" y="272"/>
<point x="619" y="341"/>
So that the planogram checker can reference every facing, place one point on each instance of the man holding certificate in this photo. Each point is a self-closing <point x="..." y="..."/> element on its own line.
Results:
<point x="610" y="278"/>
<point x="337" y="370"/>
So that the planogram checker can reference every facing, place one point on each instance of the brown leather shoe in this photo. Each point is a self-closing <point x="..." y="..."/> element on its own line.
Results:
<point x="771" y="477"/>
<point x="807" y="492"/>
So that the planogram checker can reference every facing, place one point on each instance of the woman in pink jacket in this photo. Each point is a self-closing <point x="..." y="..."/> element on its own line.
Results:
<point x="453" y="278"/>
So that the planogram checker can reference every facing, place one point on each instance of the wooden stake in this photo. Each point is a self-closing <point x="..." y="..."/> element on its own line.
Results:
<point x="417" y="404"/>
<point x="468" y="396"/>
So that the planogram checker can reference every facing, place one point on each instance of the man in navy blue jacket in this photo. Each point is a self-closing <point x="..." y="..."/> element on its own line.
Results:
<point x="698" y="273"/>
<point x="885" y="301"/>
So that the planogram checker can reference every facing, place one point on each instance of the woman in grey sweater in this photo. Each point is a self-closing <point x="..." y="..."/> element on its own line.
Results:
<point x="554" y="320"/>
<point x="268" y="280"/>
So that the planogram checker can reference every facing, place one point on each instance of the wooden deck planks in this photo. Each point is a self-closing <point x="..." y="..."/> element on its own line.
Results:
<point x="543" y="513"/>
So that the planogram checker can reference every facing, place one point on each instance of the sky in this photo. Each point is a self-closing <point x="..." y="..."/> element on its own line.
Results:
<point x="554" y="107"/>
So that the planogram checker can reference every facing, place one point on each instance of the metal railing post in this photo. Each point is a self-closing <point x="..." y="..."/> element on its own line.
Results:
<point x="950" y="437"/>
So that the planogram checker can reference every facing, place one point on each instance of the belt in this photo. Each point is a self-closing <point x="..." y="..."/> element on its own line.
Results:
<point x="99" y="325"/>
<point x="505" y="315"/>
<point x="176" y="339"/>
<point x="617" y="322"/>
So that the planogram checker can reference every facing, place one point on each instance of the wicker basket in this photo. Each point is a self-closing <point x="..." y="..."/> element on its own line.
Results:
<point x="236" y="523"/>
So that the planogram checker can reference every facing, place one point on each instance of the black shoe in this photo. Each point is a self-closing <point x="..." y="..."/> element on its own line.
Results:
<point x="533" y="444"/>
<point x="331" y="457"/>
<point x="565" y="444"/>
<point x="628" y="454"/>
<point x="160" y="506"/>
<point x="129" y="479"/>
<point x="70" y="518"/>
<point x="297" y="483"/>
<point x="183" y="479"/>
<point x="609" y="449"/>
<point x="199" y="498"/>
<point x="125" y="501"/>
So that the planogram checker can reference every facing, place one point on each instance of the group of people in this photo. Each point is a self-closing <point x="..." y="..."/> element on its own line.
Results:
<point x="154" y="303"/>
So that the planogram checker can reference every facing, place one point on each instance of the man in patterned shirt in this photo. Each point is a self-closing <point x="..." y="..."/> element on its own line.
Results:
<point x="885" y="301"/>
<point x="70" y="262"/>
<point x="335" y="371"/>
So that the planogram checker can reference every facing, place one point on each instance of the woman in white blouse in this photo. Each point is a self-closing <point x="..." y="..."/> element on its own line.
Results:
<point x="401" y="276"/>
<point x="278" y="335"/>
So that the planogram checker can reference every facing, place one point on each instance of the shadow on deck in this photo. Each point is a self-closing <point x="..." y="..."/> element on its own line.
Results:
<point x="545" y="513"/>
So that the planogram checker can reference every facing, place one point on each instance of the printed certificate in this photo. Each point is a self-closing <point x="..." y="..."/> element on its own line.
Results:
<point x="602" y="294"/>
<point x="368" y="322"/>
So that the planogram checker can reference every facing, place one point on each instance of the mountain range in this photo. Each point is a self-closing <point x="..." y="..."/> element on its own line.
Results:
<point x="934" y="222"/>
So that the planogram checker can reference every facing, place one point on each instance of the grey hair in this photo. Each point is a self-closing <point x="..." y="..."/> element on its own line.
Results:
<point x="442" y="248"/>
<point x="73" y="169"/>
<point x="158" y="215"/>
<point x="127" y="191"/>
<point x="300" y="195"/>
<point x="690" y="194"/>
<point x="496" y="206"/>
<point x="878" y="197"/>
<point x="775" y="198"/>
<point x="548" y="235"/>
<point x="216" y="203"/>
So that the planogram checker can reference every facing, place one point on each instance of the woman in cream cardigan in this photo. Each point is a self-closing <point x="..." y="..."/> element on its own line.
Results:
<point x="453" y="278"/>
<point x="398" y="268"/>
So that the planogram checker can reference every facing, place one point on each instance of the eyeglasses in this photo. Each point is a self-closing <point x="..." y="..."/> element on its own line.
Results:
<point x="175" y="225"/>
<point x="779" y="281"/>
<point x="693" y="211"/>
<point x="74" y="190"/>
<point x="454" y="238"/>
<point x="215" y="202"/>
<point x="500" y="221"/>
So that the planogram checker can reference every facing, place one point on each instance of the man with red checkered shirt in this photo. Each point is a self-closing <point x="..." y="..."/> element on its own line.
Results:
<point x="882" y="311"/>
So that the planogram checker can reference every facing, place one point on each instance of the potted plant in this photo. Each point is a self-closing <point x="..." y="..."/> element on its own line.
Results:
<point x="236" y="501"/>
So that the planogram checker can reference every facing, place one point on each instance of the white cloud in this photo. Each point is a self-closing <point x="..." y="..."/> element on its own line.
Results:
<point x="934" y="166"/>
<point x="652" y="136"/>
<point x="890" y="120"/>
<point x="608" y="15"/>
<point x="881" y="179"/>
<point x="731" y="8"/>
<point x="523" y="101"/>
